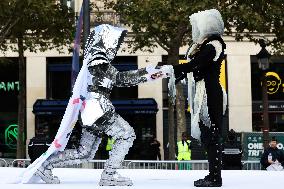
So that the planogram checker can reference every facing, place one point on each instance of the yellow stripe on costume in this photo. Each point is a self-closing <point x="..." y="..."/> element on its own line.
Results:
<point x="222" y="78"/>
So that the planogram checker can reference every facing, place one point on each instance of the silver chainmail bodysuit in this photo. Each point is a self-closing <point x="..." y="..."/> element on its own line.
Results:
<point x="99" y="114"/>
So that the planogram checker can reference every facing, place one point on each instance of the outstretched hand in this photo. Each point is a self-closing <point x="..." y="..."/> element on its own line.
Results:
<point x="152" y="69"/>
<point x="159" y="72"/>
<point x="157" y="75"/>
<point x="167" y="71"/>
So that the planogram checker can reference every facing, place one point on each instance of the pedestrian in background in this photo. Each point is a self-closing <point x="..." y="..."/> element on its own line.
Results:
<point x="184" y="152"/>
<point x="273" y="158"/>
<point x="154" y="149"/>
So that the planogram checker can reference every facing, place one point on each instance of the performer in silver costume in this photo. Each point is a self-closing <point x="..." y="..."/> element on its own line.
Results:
<point x="99" y="114"/>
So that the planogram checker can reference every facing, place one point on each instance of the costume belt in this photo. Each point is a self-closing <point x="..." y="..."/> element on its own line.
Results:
<point x="98" y="89"/>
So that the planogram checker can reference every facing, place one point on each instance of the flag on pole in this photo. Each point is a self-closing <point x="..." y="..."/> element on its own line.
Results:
<point x="76" y="103"/>
<point x="76" y="49"/>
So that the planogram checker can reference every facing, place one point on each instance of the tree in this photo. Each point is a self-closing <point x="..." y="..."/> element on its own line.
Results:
<point x="166" y="23"/>
<point x="252" y="19"/>
<point x="34" y="25"/>
<point x="7" y="22"/>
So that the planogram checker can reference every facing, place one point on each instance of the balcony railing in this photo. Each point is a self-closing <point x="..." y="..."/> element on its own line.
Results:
<point x="104" y="17"/>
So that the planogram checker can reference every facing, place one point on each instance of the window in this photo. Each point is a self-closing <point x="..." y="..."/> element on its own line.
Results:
<point x="59" y="78"/>
<point x="125" y="63"/>
<point x="275" y="91"/>
<point x="274" y="76"/>
<point x="9" y="89"/>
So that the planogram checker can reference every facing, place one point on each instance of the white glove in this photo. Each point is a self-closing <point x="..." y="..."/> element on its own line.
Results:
<point x="151" y="69"/>
<point x="167" y="71"/>
<point x="153" y="73"/>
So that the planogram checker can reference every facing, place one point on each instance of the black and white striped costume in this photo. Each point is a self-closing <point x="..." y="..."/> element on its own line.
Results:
<point x="208" y="99"/>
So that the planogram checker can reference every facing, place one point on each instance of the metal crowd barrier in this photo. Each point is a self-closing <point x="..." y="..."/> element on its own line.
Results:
<point x="3" y="163"/>
<point x="23" y="163"/>
<point x="169" y="165"/>
<point x="252" y="165"/>
<point x="150" y="164"/>
<point x="139" y="164"/>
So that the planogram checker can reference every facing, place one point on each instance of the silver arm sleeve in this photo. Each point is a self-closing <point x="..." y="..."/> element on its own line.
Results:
<point x="131" y="78"/>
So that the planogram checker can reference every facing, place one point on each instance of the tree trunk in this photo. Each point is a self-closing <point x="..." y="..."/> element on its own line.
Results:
<point x="173" y="59"/>
<point x="21" y="101"/>
<point x="180" y="111"/>
<point x="171" y="130"/>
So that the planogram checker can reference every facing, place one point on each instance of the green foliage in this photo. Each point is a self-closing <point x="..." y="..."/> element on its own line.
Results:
<point x="166" y="21"/>
<point x="158" y="21"/>
<point x="42" y="23"/>
<point x="252" y="19"/>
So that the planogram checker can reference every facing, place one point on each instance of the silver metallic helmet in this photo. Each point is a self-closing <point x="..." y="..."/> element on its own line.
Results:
<point x="206" y="23"/>
<point x="103" y="44"/>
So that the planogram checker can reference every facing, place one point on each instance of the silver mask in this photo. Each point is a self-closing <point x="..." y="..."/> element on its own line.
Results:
<point x="103" y="44"/>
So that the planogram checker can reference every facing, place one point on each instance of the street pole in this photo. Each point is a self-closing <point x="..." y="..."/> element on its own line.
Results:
<point x="86" y="20"/>
<point x="265" y="128"/>
<point x="263" y="62"/>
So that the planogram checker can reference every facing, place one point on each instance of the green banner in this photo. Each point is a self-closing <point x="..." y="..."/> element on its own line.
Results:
<point x="253" y="144"/>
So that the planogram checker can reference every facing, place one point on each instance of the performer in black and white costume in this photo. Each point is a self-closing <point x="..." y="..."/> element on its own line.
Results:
<point x="99" y="114"/>
<point x="206" y="97"/>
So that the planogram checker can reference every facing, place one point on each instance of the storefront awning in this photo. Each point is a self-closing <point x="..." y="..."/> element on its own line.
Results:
<point x="138" y="106"/>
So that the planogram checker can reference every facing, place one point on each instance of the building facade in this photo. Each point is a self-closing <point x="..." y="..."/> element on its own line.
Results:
<point x="48" y="77"/>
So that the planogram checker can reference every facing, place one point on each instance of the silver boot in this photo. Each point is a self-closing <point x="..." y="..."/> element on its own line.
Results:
<point x="47" y="176"/>
<point x="112" y="178"/>
<point x="124" y="135"/>
<point x="86" y="151"/>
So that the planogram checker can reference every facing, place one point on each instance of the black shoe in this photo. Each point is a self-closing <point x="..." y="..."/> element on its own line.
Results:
<point x="207" y="177"/>
<point x="208" y="182"/>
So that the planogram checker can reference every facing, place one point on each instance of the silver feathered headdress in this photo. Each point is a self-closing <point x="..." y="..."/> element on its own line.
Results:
<point x="103" y="44"/>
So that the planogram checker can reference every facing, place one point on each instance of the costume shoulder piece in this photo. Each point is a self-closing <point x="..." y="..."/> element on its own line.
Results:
<point x="217" y="42"/>
<point x="214" y="38"/>
<point x="103" y="44"/>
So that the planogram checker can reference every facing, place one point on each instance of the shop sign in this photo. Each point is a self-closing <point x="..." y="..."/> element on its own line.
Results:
<point x="253" y="144"/>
